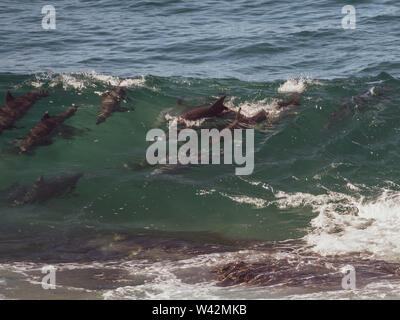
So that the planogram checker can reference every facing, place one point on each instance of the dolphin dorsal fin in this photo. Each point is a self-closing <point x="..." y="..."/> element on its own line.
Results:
<point x="9" y="97"/>
<point x="238" y="115"/>
<point x="40" y="180"/>
<point x="45" y="116"/>
<point x="219" y="104"/>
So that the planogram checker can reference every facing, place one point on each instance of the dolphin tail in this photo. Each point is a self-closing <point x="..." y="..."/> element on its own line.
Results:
<point x="75" y="178"/>
<point x="100" y="120"/>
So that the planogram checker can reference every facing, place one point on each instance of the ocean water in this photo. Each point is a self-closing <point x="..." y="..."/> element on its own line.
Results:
<point x="325" y="192"/>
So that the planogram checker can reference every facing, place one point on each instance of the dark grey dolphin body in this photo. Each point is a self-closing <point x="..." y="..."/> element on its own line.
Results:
<point x="294" y="100"/>
<point x="219" y="110"/>
<point x="44" y="128"/>
<point x="355" y="103"/>
<point x="110" y="103"/>
<point x="41" y="191"/>
<point x="241" y="121"/>
<point x="16" y="108"/>
<point x="212" y="111"/>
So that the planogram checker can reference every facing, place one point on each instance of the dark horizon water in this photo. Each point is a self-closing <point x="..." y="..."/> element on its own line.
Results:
<point x="257" y="40"/>
<point x="323" y="194"/>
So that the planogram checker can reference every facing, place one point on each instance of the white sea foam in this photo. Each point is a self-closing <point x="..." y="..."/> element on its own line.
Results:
<point x="375" y="290"/>
<point x="295" y="85"/>
<point x="174" y="120"/>
<point x="37" y="84"/>
<point x="346" y="223"/>
<point x="263" y="185"/>
<point x="83" y="80"/>
<point x="169" y="278"/>
<point x="193" y="278"/>
<point x="351" y="224"/>
<point x="69" y="81"/>
<point x="251" y="108"/>
<point x="255" y="202"/>
<point x="116" y="81"/>
<point x="204" y="192"/>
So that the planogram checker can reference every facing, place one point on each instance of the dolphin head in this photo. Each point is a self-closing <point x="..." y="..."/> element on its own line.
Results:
<point x="118" y="92"/>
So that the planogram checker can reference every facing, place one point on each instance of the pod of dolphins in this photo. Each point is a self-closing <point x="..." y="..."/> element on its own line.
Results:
<point x="42" y="132"/>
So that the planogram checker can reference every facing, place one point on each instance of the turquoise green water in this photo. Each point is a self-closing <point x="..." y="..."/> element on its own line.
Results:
<point x="299" y="154"/>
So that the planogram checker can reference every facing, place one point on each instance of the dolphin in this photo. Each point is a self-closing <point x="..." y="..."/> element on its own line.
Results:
<point x="217" y="109"/>
<point x="242" y="121"/>
<point x="354" y="103"/>
<point x="41" y="191"/>
<point x="285" y="106"/>
<point x="44" y="128"/>
<point x="294" y="100"/>
<point x="16" y="108"/>
<point x="214" y="110"/>
<point x="110" y="103"/>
